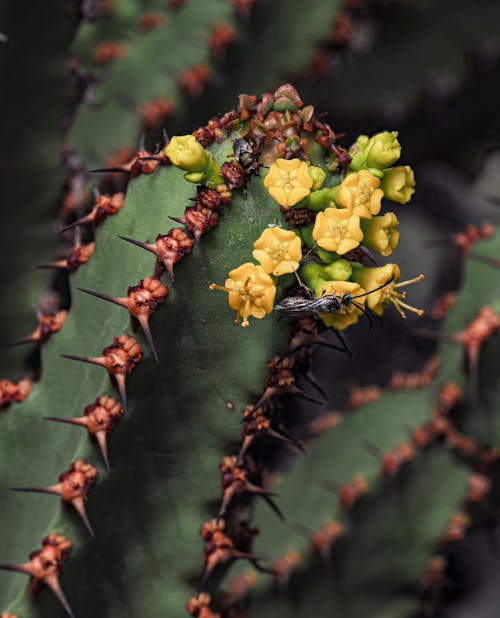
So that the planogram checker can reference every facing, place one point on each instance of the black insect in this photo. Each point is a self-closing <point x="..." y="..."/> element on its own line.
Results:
<point x="246" y="156"/>
<point x="294" y="307"/>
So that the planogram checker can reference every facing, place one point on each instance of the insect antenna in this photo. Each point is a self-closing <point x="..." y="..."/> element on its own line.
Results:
<point x="375" y="289"/>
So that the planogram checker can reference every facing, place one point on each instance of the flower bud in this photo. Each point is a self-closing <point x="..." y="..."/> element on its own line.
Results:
<point x="381" y="151"/>
<point x="318" y="176"/>
<point x="339" y="270"/>
<point x="380" y="233"/>
<point x="398" y="184"/>
<point x="321" y="199"/>
<point x="185" y="152"/>
<point x="311" y="273"/>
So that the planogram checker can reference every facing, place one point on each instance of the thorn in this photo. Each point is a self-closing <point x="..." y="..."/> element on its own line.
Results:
<point x="87" y="219"/>
<point x="38" y="490"/>
<point x="294" y="390"/>
<point x="272" y="504"/>
<point x="16" y="568"/>
<point x="52" y="581"/>
<point x="71" y="421"/>
<point x="59" y="264"/>
<point x="79" y="506"/>
<point x="247" y="441"/>
<point x="280" y="434"/>
<point x="109" y="169"/>
<point x="138" y="243"/>
<point x="120" y="383"/>
<point x="13" y="344"/>
<point x="309" y="376"/>
<point x="485" y="259"/>
<point x="122" y="302"/>
<point x="103" y="445"/>
<point x="143" y="321"/>
<point x="83" y="359"/>
<point x="177" y="219"/>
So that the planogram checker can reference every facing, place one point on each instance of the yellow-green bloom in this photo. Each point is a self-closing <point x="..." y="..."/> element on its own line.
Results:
<point x="399" y="183"/>
<point x="378" y="152"/>
<point x="288" y="181"/>
<point x="381" y="233"/>
<point x="372" y="278"/>
<point x="345" y="317"/>
<point x="337" y="230"/>
<point x="279" y="251"/>
<point x="251" y="292"/>
<point x="186" y="152"/>
<point x="360" y="193"/>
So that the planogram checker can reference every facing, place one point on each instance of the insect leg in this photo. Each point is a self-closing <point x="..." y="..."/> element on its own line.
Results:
<point x="345" y="344"/>
<point x="365" y="312"/>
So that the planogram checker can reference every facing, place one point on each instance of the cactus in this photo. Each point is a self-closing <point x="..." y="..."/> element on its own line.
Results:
<point x="349" y="492"/>
<point x="145" y="444"/>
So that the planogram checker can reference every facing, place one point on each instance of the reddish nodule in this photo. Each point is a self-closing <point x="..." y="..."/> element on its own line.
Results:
<point x="45" y="566"/>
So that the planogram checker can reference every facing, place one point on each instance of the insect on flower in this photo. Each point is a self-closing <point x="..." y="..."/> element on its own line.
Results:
<point x="294" y="307"/>
<point x="246" y="156"/>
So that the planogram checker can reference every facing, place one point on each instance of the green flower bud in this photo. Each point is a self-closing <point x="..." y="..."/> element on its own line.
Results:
<point x="185" y="152"/>
<point x="306" y="235"/>
<point x="319" y="200"/>
<point x="318" y="176"/>
<point x="398" y="184"/>
<point x="327" y="256"/>
<point x="311" y="273"/>
<point x="339" y="270"/>
<point x="380" y="233"/>
<point x="381" y="151"/>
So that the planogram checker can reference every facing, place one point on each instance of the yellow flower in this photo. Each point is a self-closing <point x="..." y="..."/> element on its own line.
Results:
<point x="278" y="251"/>
<point x="186" y="152"/>
<point x="251" y="292"/>
<point x="360" y="193"/>
<point x="372" y="278"/>
<point x="337" y="230"/>
<point x="399" y="183"/>
<point x="288" y="181"/>
<point x="345" y="317"/>
<point x="380" y="233"/>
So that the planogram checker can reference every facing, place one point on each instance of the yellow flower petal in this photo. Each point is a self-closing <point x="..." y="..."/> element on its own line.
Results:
<point x="288" y="181"/>
<point x="251" y="292"/>
<point x="360" y="193"/>
<point x="337" y="230"/>
<point x="279" y="251"/>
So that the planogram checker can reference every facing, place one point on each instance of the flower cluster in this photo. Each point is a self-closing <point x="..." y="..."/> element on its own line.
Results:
<point x="347" y="222"/>
<point x="251" y="287"/>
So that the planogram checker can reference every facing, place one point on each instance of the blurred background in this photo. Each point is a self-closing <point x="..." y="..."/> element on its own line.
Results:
<point x="428" y="68"/>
